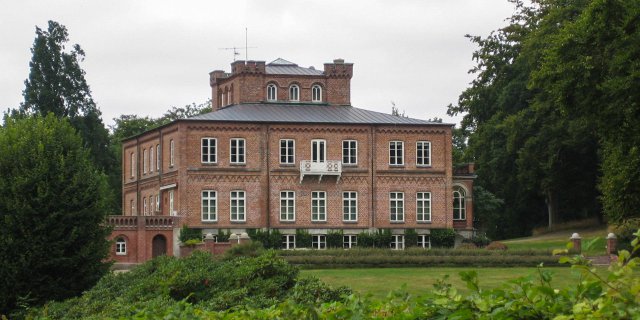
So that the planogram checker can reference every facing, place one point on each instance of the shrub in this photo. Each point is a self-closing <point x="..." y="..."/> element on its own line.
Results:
<point x="625" y="234"/>
<point x="410" y="238"/>
<point x="249" y="249"/>
<point x="334" y="239"/>
<point x="269" y="239"/>
<point x="496" y="245"/>
<point x="443" y="238"/>
<point x="303" y="238"/>
<point x="223" y="236"/>
<point x="187" y="234"/>
<point x="311" y="290"/>
<point x="467" y="246"/>
<point x="365" y="240"/>
<point x="480" y="241"/>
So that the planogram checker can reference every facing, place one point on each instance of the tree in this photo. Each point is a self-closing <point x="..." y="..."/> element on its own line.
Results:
<point x="591" y="71"/>
<point x="57" y="85"/>
<point x="52" y="211"/>
<point x="541" y="161"/>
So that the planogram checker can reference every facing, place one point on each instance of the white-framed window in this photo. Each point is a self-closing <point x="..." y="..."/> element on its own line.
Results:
<point x="121" y="246"/>
<point x="396" y="153"/>
<point x="272" y="92"/>
<point x="151" y="159"/>
<point x="289" y="241"/>
<point x="318" y="206"/>
<point x="237" y="151"/>
<point x="459" y="204"/>
<point x="316" y="93"/>
<point x="318" y="150"/>
<point x="171" y="211"/>
<point x="151" y="205"/>
<point x="423" y="153"/>
<point x="209" y="205"/>
<point x="396" y="206"/>
<point x="397" y="242"/>
<point x="287" y="206"/>
<point x="423" y="206"/>
<point x="132" y="205"/>
<point x="238" y="206"/>
<point x="144" y="161"/>
<point x="424" y="241"/>
<point x="294" y="92"/>
<point x="157" y="202"/>
<point x="172" y="148"/>
<point x="133" y="165"/>
<point x="287" y="151"/>
<point x="350" y="206"/>
<point x="319" y="241"/>
<point x="144" y="206"/>
<point x="349" y="152"/>
<point x="158" y="157"/>
<point x="349" y="241"/>
<point x="209" y="150"/>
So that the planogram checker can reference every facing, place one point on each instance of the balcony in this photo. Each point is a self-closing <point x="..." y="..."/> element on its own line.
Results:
<point x="144" y="222"/>
<point x="320" y="169"/>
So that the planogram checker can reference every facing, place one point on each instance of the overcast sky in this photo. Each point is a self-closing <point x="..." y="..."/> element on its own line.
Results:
<point x="142" y="57"/>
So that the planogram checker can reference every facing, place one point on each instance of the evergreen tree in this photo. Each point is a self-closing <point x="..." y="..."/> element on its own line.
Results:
<point x="52" y="212"/>
<point x="57" y="85"/>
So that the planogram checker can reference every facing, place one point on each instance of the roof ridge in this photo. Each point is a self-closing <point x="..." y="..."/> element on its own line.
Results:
<point x="281" y="62"/>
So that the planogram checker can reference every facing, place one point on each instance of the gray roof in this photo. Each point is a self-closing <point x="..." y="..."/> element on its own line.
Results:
<point x="282" y="66"/>
<point x="305" y="113"/>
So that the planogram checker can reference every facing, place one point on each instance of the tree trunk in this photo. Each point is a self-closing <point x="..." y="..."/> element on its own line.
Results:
<point x="551" y="208"/>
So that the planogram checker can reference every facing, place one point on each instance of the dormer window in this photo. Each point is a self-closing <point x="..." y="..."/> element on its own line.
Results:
<point x="272" y="92"/>
<point x="316" y="93"/>
<point x="294" y="93"/>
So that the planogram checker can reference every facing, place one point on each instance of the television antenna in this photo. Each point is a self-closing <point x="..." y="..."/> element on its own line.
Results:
<point x="237" y="49"/>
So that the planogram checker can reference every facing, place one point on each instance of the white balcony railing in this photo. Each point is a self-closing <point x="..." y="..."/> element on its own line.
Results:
<point x="326" y="168"/>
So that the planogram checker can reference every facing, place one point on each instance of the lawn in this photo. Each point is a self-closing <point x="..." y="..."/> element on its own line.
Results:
<point x="379" y="282"/>
<point x="559" y="239"/>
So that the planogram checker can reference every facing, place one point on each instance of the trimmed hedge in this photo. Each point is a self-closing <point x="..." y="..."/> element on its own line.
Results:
<point x="356" y="252"/>
<point x="382" y="261"/>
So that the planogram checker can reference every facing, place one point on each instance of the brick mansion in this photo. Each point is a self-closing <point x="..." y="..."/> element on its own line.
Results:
<point x="284" y="149"/>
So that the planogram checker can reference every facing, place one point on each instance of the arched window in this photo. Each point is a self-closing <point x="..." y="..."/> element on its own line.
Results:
<point x="121" y="246"/>
<point x="316" y="93"/>
<point x="294" y="92"/>
<point x="459" y="204"/>
<point x="272" y="92"/>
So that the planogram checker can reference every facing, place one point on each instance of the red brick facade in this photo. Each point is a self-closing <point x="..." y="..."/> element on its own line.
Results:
<point x="182" y="175"/>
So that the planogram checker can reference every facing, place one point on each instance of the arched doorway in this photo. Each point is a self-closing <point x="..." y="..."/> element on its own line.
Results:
<point x="159" y="246"/>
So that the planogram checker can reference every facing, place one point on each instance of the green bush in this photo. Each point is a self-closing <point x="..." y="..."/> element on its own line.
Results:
<point x="365" y="240"/>
<point x="303" y="238"/>
<point x="187" y="234"/>
<point x="249" y="249"/>
<point x="496" y="245"/>
<point x="223" y="236"/>
<point x="479" y="241"/>
<point x="443" y="238"/>
<point x="410" y="238"/>
<point x="269" y="239"/>
<point x="334" y="239"/>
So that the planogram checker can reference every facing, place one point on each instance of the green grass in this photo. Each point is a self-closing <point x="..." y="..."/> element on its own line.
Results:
<point x="379" y="282"/>
<point x="559" y="240"/>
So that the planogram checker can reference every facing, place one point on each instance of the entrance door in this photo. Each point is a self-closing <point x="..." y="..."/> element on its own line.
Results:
<point x="318" y="150"/>
<point x="159" y="246"/>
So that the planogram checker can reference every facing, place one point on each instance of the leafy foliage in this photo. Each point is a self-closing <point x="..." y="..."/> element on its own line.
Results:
<point x="187" y="234"/>
<point x="52" y="213"/>
<point x="198" y="281"/>
<point x="541" y="160"/>
<point x="443" y="238"/>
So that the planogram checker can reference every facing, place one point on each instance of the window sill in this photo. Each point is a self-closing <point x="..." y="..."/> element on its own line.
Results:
<point x="287" y="221"/>
<point x="121" y="254"/>
<point x="396" y="166"/>
<point x="350" y="221"/>
<point x="319" y="222"/>
<point x="424" y="166"/>
<point x="238" y="222"/>
<point x="396" y="222"/>
<point x="350" y="165"/>
<point x="459" y="219"/>
<point x="423" y="222"/>
<point x="290" y="165"/>
<point x="209" y="163"/>
<point x="239" y="164"/>
<point x="209" y="221"/>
